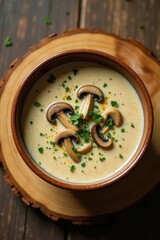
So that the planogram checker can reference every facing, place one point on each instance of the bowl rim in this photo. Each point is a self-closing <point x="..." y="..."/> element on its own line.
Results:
<point x="57" y="182"/>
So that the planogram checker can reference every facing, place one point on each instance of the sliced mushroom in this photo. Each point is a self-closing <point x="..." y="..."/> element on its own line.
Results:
<point x="116" y="117"/>
<point x="59" y="110"/>
<point x="91" y="92"/>
<point x="85" y="149"/>
<point x="103" y="143"/>
<point x="67" y="135"/>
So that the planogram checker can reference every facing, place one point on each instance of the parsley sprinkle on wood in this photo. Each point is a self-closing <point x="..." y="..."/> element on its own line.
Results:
<point x="47" y="21"/>
<point x="8" y="42"/>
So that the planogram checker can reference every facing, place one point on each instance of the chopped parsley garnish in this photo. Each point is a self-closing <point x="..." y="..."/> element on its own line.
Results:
<point x="102" y="159"/>
<point x="40" y="149"/>
<point x="75" y="71"/>
<point x="37" y="104"/>
<point x="141" y="27"/>
<point x="8" y="42"/>
<point x="69" y="77"/>
<point x="132" y="125"/>
<point x="52" y="143"/>
<point x="85" y="135"/>
<point x="120" y="156"/>
<point x="68" y="97"/>
<point x="51" y="78"/>
<point x="76" y="107"/>
<point x="65" y="154"/>
<point x="76" y="119"/>
<point x="120" y="145"/>
<point x="72" y="168"/>
<point x="109" y="135"/>
<point x="114" y="104"/>
<point x="48" y="21"/>
<point x="105" y="85"/>
<point x="122" y="129"/>
<point x="83" y="164"/>
<point x="110" y="124"/>
<point x="97" y="117"/>
<point x="67" y="89"/>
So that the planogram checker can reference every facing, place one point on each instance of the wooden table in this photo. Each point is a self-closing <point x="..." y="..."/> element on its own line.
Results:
<point x="23" y="22"/>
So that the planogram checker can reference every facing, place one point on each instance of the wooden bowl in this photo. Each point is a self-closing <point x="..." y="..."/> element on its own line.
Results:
<point x="46" y="67"/>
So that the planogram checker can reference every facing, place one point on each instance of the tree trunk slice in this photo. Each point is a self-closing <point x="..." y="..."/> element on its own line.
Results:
<point x="80" y="207"/>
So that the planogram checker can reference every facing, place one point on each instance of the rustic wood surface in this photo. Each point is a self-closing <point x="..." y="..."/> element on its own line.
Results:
<point x="23" y="21"/>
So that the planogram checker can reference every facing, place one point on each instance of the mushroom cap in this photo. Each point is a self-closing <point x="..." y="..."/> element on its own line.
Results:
<point x="57" y="107"/>
<point x="66" y="133"/>
<point x="115" y="115"/>
<point x="97" y="139"/>
<point x="90" y="89"/>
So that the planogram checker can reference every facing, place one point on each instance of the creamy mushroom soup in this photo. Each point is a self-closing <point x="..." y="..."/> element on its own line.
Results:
<point x="107" y="116"/>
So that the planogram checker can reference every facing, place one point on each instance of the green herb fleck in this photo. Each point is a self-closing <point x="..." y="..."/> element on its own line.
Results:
<point x="85" y="135"/>
<point x="142" y="27"/>
<point x="75" y="71"/>
<point x="72" y="168"/>
<point x="76" y="119"/>
<point x="105" y="85"/>
<point x="74" y="149"/>
<point x="102" y="159"/>
<point x="109" y="135"/>
<point x="52" y="143"/>
<point x="122" y="129"/>
<point x="67" y="89"/>
<point x="132" y="125"/>
<point x="114" y="104"/>
<point x="120" y="156"/>
<point x="69" y="77"/>
<point x="65" y="154"/>
<point x="97" y="117"/>
<point x="51" y="78"/>
<point x="68" y="97"/>
<point x="110" y="124"/>
<point x="40" y="149"/>
<point x="76" y="107"/>
<point x="83" y="165"/>
<point x="48" y="21"/>
<point x="37" y="104"/>
<point x="120" y="145"/>
<point x="76" y="101"/>
<point x="8" y="42"/>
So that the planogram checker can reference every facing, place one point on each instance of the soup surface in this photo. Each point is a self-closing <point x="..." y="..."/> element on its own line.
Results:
<point x="61" y="84"/>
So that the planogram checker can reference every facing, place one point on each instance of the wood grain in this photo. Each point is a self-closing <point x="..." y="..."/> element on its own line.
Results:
<point x="82" y="206"/>
<point x="23" y="21"/>
<point x="125" y="21"/>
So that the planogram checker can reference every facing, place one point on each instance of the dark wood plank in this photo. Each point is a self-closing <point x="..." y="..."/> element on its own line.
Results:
<point x="39" y="227"/>
<point x="137" y="19"/>
<point x="12" y="213"/>
<point x="23" y="21"/>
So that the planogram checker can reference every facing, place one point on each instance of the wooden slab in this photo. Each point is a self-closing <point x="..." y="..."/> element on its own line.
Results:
<point x="80" y="206"/>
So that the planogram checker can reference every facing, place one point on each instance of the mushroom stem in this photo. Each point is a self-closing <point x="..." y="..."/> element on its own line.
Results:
<point x="65" y="120"/>
<point x="104" y="130"/>
<point x="85" y="149"/>
<point x="87" y="106"/>
<point x="69" y="148"/>
<point x="98" y="140"/>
